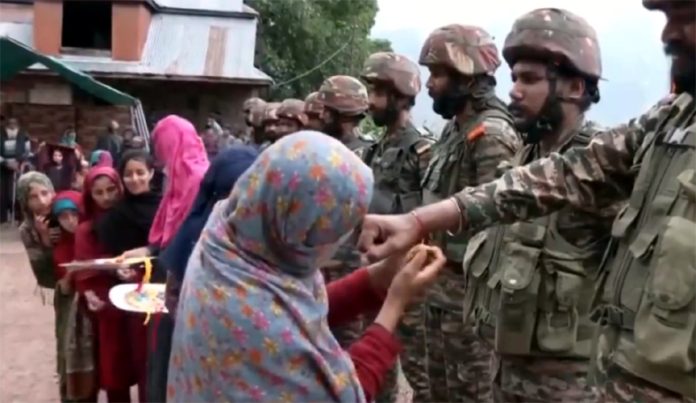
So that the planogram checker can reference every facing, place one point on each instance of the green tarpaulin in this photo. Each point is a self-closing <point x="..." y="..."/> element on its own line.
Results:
<point x="15" y="57"/>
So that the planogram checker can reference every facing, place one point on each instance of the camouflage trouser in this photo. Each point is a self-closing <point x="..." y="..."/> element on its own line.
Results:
<point x="538" y="379"/>
<point x="347" y="333"/>
<point x="414" y="357"/>
<point x="620" y="386"/>
<point x="457" y="359"/>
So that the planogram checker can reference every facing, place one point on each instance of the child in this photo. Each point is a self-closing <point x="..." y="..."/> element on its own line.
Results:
<point x="72" y="345"/>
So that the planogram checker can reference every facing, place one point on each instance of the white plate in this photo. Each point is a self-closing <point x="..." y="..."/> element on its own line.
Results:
<point x="117" y="296"/>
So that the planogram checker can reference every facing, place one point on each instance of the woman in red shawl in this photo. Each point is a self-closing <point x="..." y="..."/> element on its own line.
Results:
<point x="120" y="336"/>
<point x="177" y="145"/>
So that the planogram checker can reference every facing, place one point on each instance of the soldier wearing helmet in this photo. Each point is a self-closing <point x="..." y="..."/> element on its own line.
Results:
<point x="291" y="117"/>
<point x="253" y="109"/>
<point x="313" y="110"/>
<point x="555" y="61"/>
<point x="480" y="135"/>
<point x="345" y="104"/>
<point x="344" y="101"/>
<point x="398" y="160"/>
<point x="643" y="349"/>
<point x="269" y="123"/>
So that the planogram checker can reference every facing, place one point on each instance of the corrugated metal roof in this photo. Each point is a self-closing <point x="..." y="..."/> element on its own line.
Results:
<point x="177" y="46"/>
<point x="21" y="32"/>
<point x="210" y="5"/>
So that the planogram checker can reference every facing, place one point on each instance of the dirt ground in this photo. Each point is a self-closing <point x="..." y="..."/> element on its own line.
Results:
<point x="27" y="346"/>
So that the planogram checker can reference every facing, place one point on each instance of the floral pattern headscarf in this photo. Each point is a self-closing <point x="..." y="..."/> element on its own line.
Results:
<point x="252" y="319"/>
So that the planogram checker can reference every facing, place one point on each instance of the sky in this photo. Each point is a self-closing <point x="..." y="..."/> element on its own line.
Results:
<point x="635" y="69"/>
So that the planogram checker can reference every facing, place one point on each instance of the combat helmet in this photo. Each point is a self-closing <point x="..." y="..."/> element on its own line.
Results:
<point x="252" y="102"/>
<point x="467" y="49"/>
<point x="256" y="113"/>
<point x="345" y="94"/>
<point x="292" y="109"/>
<point x="396" y="70"/>
<point x="270" y="112"/>
<point x="312" y="104"/>
<point x="559" y="35"/>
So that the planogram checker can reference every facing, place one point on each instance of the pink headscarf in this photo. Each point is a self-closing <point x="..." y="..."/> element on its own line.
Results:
<point x="177" y="144"/>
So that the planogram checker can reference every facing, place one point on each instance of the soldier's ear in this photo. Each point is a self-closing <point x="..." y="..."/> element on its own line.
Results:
<point x="576" y="89"/>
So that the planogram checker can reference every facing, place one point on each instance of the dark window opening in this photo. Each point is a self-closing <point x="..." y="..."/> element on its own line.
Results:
<point x="87" y="25"/>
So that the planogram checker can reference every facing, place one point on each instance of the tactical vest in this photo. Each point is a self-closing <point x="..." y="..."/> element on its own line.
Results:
<point x="529" y="285"/>
<point x="396" y="191"/>
<point x="442" y="176"/>
<point x="648" y="312"/>
<point x="359" y="144"/>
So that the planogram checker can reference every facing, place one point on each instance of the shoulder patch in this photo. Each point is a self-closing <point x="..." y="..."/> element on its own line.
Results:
<point x="477" y="132"/>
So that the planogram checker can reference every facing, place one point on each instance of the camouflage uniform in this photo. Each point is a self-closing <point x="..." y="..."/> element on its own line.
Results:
<point x="466" y="154"/>
<point x="539" y="326"/>
<point x="644" y="349"/>
<point x="348" y="97"/>
<point x="399" y="161"/>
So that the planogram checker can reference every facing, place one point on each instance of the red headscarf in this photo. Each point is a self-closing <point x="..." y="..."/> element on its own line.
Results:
<point x="86" y="244"/>
<point x="92" y="210"/>
<point x="64" y="249"/>
<point x="177" y="144"/>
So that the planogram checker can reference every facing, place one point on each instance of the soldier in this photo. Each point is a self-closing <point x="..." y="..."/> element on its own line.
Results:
<point x="269" y="122"/>
<point x="398" y="162"/>
<point x="644" y="349"/>
<point x="291" y="117"/>
<point x="541" y="329"/>
<point x="479" y="136"/>
<point x="313" y="110"/>
<point x="345" y="103"/>
<point x="251" y="117"/>
<point x="344" y="99"/>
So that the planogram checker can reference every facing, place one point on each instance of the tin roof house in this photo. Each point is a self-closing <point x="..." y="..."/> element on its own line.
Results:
<point x="194" y="58"/>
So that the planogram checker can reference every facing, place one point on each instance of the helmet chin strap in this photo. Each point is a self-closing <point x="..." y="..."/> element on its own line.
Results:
<point x="544" y="122"/>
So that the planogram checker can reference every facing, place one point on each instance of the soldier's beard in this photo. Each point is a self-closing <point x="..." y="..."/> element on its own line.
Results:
<point x="548" y="120"/>
<point x="683" y="69"/>
<point x="450" y="103"/>
<point x="387" y="116"/>
<point x="333" y="128"/>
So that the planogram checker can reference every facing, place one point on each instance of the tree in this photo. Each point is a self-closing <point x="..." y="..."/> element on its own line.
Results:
<point x="301" y="42"/>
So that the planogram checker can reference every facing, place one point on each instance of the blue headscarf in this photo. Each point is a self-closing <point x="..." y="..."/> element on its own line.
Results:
<point x="252" y="319"/>
<point x="217" y="183"/>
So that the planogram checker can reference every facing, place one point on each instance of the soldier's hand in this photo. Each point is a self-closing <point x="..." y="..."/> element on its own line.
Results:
<point x="385" y="235"/>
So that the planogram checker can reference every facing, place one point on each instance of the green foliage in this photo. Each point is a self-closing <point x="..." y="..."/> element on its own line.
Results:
<point x="369" y="128"/>
<point x="301" y="42"/>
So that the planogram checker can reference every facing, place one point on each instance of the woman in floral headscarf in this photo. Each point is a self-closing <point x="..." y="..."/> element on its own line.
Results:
<point x="252" y="321"/>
